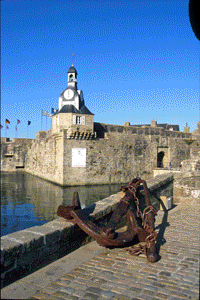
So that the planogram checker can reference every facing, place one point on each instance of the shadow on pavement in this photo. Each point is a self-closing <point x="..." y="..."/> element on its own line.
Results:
<point x="160" y="239"/>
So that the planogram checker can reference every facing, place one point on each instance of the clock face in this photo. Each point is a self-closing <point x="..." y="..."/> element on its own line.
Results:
<point x="68" y="94"/>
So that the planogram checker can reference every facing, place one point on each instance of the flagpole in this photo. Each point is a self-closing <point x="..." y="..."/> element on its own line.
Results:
<point x="41" y="120"/>
<point x="7" y="122"/>
<point x="27" y="129"/>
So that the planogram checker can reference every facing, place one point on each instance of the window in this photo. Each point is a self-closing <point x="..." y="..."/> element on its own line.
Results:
<point x="78" y="120"/>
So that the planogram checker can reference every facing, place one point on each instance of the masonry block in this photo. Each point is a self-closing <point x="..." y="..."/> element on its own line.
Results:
<point x="27" y="239"/>
<point x="167" y="202"/>
<point x="49" y="233"/>
<point x="10" y="248"/>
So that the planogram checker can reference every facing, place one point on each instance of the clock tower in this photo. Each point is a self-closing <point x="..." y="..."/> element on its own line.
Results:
<point x="72" y="114"/>
<point x="71" y="95"/>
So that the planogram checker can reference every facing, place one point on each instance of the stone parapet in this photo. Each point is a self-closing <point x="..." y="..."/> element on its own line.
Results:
<point x="113" y="153"/>
<point x="26" y="251"/>
<point x="102" y="128"/>
<point x="13" y="153"/>
<point x="185" y="194"/>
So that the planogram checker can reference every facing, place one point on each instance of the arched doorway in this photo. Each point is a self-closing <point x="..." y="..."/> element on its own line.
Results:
<point x="163" y="157"/>
<point x="160" y="157"/>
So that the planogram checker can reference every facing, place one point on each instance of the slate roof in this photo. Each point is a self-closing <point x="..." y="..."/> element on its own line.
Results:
<point x="72" y="109"/>
<point x="72" y="70"/>
<point x="69" y="109"/>
<point x="85" y="110"/>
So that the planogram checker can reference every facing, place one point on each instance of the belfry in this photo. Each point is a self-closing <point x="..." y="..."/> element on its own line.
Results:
<point x="71" y="95"/>
<point x="72" y="114"/>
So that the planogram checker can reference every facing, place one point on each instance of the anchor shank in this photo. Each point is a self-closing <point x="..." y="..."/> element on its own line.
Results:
<point x="118" y="213"/>
<point x="150" y="216"/>
<point x="146" y="194"/>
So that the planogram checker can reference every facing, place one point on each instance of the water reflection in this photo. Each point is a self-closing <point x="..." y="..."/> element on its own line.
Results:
<point x="27" y="200"/>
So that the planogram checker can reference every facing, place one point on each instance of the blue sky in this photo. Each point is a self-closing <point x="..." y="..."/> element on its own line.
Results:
<point x="137" y="60"/>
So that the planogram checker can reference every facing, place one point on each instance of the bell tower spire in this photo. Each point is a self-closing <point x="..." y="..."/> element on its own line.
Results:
<point x="72" y="77"/>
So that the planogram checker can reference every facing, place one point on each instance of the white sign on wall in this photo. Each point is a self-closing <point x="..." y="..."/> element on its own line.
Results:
<point x="78" y="157"/>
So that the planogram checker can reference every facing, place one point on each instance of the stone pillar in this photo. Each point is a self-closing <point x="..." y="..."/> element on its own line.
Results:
<point x="186" y="128"/>
<point x="153" y="123"/>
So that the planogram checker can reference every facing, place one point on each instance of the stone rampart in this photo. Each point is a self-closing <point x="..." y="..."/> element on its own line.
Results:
<point x="13" y="153"/>
<point x="25" y="251"/>
<point x="187" y="184"/>
<point x="187" y="177"/>
<point x="117" y="154"/>
<point x="104" y="129"/>
<point x="45" y="158"/>
<point x="116" y="157"/>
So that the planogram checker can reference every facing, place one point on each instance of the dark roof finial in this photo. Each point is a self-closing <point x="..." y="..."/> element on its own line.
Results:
<point x="73" y="56"/>
<point x="72" y="70"/>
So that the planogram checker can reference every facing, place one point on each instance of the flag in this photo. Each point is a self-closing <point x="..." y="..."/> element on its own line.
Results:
<point x="29" y="122"/>
<point x="1" y="126"/>
<point x="53" y="110"/>
<point x="7" y="121"/>
<point x="18" y="121"/>
<point x="44" y="113"/>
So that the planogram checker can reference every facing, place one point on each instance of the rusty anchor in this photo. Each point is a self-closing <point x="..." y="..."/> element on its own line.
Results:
<point x="107" y="236"/>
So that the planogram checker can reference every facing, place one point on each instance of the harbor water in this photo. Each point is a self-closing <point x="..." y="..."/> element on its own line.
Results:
<point x="27" y="200"/>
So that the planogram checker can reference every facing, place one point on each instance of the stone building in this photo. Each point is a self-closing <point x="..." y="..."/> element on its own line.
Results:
<point x="79" y="151"/>
<point x="72" y="114"/>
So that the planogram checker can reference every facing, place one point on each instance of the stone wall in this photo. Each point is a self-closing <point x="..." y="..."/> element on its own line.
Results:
<point x="102" y="129"/>
<point x="120" y="157"/>
<point x="113" y="160"/>
<point x="117" y="154"/>
<point x="14" y="153"/>
<point x="187" y="183"/>
<point x="45" y="157"/>
<point x="187" y="187"/>
<point x="117" y="157"/>
<point x="186" y="176"/>
<point x="26" y="251"/>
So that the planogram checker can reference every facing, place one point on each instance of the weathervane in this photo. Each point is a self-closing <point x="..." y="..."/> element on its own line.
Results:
<point x="73" y="57"/>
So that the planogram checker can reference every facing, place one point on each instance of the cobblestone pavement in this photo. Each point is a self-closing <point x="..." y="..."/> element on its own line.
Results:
<point x="115" y="274"/>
